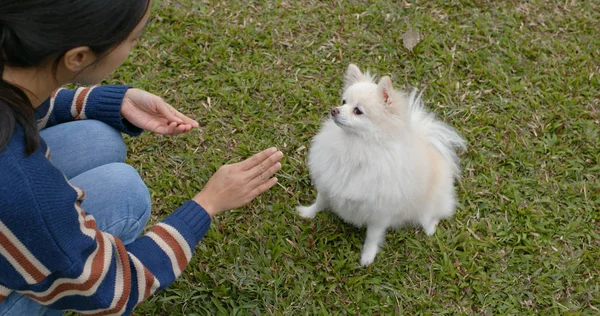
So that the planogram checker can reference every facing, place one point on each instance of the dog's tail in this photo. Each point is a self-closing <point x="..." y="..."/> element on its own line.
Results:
<point x="443" y="137"/>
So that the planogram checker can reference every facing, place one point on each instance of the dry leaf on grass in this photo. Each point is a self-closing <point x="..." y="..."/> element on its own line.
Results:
<point x="410" y="39"/>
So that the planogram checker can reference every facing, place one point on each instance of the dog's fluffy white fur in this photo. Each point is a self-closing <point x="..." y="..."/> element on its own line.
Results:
<point x="381" y="160"/>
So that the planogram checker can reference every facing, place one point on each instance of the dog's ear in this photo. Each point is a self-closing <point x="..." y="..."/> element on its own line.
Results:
<point x="353" y="75"/>
<point x="386" y="90"/>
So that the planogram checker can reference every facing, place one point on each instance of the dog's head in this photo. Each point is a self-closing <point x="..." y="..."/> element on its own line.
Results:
<point x="368" y="108"/>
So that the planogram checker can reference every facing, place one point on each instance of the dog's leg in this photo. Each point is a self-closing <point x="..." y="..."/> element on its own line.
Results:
<point x="442" y="208"/>
<point x="429" y="225"/>
<point x="375" y="236"/>
<point x="310" y="211"/>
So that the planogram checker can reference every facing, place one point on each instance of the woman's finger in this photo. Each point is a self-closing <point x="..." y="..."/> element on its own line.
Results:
<point x="263" y="187"/>
<point x="256" y="159"/>
<point x="186" y="119"/>
<point x="168" y="112"/>
<point x="181" y="129"/>
<point x="265" y="176"/>
<point x="170" y="128"/>
<point x="265" y="165"/>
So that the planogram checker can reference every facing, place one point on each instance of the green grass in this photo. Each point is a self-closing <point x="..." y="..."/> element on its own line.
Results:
<point x="520" y="81"/>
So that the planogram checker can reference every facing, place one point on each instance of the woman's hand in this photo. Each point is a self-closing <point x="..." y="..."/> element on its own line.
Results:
<point x="148" y="111"/>
<point x="235" y="185"/>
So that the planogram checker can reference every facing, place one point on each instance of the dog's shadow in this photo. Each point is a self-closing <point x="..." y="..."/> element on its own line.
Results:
<point x="332" y="237"/>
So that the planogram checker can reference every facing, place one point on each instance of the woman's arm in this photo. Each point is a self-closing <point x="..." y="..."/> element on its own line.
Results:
<point x="52" y="251"/>
<point x="101" y="103"/>
<point x="58" y="257"/>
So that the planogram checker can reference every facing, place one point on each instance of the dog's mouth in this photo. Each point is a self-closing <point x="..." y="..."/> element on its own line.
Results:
<point x="339" y="123"/>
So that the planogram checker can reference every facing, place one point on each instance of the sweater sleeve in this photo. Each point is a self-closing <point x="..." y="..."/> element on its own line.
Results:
<point x="101" y="103"/>
<point x="69" y="264"/>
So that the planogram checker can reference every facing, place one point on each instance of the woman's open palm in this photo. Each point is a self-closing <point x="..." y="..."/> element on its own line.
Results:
<point x="150" y="112"/>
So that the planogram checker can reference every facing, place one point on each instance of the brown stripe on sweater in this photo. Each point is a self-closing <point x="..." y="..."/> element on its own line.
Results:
<point x="149" y="282"/>
<point x="14" y="252"/>
<point x="124" y="261"/>
<point x="173" y="244"/>
<point x="80" y="102"/>
<point x="95" y="274"/>
<point x="4" y="292"/>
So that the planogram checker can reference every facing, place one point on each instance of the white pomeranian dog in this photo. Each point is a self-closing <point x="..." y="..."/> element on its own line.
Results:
<point x="382" y="161"/>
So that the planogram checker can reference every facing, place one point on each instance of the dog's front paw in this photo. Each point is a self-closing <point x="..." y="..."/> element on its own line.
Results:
<point x="307" y="211"/>
<point x="367" y="258"/>
<point x="430" y="226"/>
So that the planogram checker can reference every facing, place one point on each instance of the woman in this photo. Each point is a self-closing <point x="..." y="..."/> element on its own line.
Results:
<point x="70" y="210"/>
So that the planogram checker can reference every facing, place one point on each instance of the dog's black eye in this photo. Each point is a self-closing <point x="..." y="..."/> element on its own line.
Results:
<point x="343" y="102"/>
<point x="357" y="111"/>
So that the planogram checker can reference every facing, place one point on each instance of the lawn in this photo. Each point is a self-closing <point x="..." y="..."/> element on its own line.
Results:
<point x="519" y="79"/>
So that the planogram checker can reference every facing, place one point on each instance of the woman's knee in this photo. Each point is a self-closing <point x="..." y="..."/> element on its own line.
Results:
<point x="118" y="198"/>
<point x="106" y="137"/>
<point x="79" y="146"/>
<point x="136" y="198"/>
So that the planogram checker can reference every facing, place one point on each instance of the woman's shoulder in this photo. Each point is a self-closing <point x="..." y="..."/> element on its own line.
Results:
<point x="16" y="167"/>
<point x="30" y="185"/>
<point x="15" y="152"/>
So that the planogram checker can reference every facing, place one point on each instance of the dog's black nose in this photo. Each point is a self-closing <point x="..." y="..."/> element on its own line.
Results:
<point x="335" y="112"/>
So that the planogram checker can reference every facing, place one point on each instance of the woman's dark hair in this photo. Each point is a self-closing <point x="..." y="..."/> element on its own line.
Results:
<point x="33" y="32"/>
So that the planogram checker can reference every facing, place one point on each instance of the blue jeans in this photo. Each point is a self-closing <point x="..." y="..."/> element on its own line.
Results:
<point x="91" y="154"/>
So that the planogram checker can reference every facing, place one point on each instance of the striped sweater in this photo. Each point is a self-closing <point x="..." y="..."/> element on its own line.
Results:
<point x="52" y="251"/>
